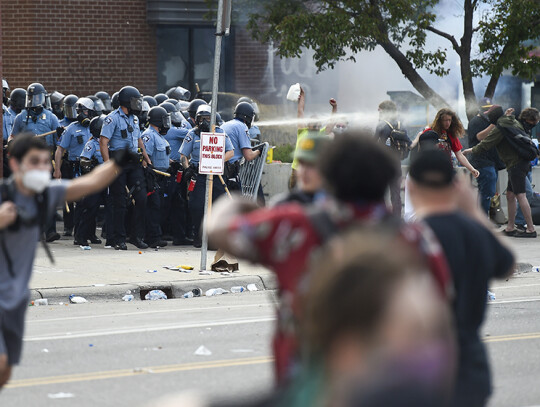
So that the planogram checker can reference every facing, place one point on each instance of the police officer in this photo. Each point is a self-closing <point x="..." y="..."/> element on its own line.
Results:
<point x="38" y="120"/>
<point x="70" y="110"/>
<point x="196" y="182"/>
<point x="159" y="150"/>
<point x="72" y="142"/>
<point x="106" y="100"/>
<point x="89" y="159"/>
<point x="150" y="100"/>
<point x="57" y="104"/>
<point x="114" y="101"/>
<point x="178" y="93"/>
<point x="11" y="110"/>
<point x="5" y="90"/>
<point x="121" y="130"/>
<point x="143" y="116"/>
<point x="238" y="131"/>
<point x="254" y="131"/>
<point x="174" y="204"/>
<point x="99" y="107"/>
<point x="192" y="110"/>
<point x="160" y="98"/>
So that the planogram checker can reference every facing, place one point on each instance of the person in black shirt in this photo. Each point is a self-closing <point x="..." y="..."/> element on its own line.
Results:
<point x="487" y="162"/>
<point x="474" y="255"/>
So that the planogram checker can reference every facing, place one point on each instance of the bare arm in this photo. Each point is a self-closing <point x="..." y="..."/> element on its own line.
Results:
<point x="228" y="155"/>
<point x="104" y="148"/>
<point x="185" y="162"/>
<point x="484" y="133"/>
<point x="145" y="155"/>
<point x="93" y="182"/>
<point x="330" y="125"/>
<point x="463" y="161"/>
<point x="301" y="106"/>
<point x="249" y="154"/>
<point x="59" y="153"/>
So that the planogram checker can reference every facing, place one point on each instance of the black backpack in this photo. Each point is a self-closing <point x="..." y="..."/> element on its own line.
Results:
<point x="521" y="142"/>
<point x="399" y="140"/>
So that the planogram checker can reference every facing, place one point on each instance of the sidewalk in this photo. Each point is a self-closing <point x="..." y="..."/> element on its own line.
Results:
<point x="106" y="274"/>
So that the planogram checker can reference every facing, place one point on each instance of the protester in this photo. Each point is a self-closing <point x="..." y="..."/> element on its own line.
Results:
<point x="517" y="166"/>
<point x="28" y="199"/>
<point x="284" y="238"/>
<point x="474" y="254"/>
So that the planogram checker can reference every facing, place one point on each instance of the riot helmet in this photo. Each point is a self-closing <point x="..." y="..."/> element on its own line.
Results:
<point x="219" y="120"/>
<point x="70" y="110"/>
<point x="96" y="124"/>
<point x="176" y="116"/>
<point x="178" y="93"/>
<point x="85" y="111"/>
<point x="202" y="117"/>
<point x="194" y="106"/>
<point x="99" y="107"/>
<point x="36" y="96"/>
<point x="106" y="100"/>
<point x="143" y="115"/>
<point x="57" y="104"/>
<point x="160" y="98"/>
<point x="17" y="99"/>
<point x="244" y="112"/>
<point x="159" y="117"/>
<point x="114" y="101"/>
<point x="150" y="100"/>
<point x="5" y="89"/>
<point x="173" y="101"/>
<point x="252" y="103"/>
<point x="130" y="98"/>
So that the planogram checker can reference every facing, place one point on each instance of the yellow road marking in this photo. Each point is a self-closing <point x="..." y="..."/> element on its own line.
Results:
<point x="515" y="337"/>
<point x="112" y="374"/>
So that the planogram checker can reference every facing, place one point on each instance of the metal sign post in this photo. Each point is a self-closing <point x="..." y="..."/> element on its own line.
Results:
<point x="220" y="32"/>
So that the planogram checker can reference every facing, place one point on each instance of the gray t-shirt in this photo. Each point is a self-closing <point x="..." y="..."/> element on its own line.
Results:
<point x="21" y="247"/>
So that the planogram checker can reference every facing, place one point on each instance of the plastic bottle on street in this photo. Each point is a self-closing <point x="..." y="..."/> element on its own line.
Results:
<point x="128" y="296"/>
<point x="76" y="299"/>
<point x="238" y="289"/>
<point x="215" y="291"/>
<point x="155" y="295"/>
<point x="41" y="301"/>
<point x="491" y="296"/>
<point x="189" y="294"/>
<point x="252" y="287"/>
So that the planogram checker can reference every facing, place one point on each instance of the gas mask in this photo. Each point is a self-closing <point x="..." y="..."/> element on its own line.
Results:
<point x="204" y="125"/>
<point x="36" y="110"/>
<point x="36" y="180"/>
<point x="83" y="119"/>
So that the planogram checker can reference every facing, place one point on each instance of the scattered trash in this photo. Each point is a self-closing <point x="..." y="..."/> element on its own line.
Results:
<point x="252" y="287"/>
<point x="205" y="273"/>
<point x="60" y="395"/>
<point x="238" y="289"/>
<point x="215" y="291"/>
<point x="76" y="299"/>
<point x="203" y="351"/>
<point x="107" y="247"/>
<point x="189" y="294"/>
<point x="536" y="269"/>
<point x="183" y="269"/>
<point x="140" y="252"/>
<point x="490" y="296"/>
<point x="224" y="263"/>
<point x="196" y="292"/>
<point x="90" y="345"/>
<point x="155" y="295"/>
<point x="41" y="301"/>
<point x="151" y="271"/>
<point x="128" y="296"/>
<point x="85" y="247"/>
<point x="45" y="350"/>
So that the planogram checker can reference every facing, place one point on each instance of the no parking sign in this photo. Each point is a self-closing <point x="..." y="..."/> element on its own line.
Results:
<point x="212" y="158"/>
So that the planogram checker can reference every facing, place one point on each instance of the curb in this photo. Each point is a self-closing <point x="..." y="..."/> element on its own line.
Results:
<point x="173" y="289"/>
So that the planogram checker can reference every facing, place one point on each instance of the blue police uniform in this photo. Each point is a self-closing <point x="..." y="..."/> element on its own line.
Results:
<point x="92" y="150"/>
<point x="66" y="122"/>
<point x="38" y="124"/>
<point x="238" y="132"/>
<point x="89" y="205"/>
<point x="8" y="121"/>
<point x="175" y="136"/>
<point x="74" y="139"/>
<point x="123" y="132"/>
<point x="191" y="147"/>
<point x="254" y="132"/>
<point x="157" y="148"/>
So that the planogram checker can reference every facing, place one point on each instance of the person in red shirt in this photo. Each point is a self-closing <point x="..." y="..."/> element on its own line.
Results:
<point x="357" y="172"/>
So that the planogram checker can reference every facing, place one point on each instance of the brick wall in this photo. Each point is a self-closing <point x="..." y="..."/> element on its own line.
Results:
<point x="77" y="46"/>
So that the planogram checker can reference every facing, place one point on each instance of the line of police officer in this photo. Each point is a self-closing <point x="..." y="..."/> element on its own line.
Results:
<point x="142" y="205"/>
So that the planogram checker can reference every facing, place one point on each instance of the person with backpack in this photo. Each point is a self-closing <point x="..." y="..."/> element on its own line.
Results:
<point x="390" y="133"/>
<point x="511" y="138"/>
<point x="28" y="199"/>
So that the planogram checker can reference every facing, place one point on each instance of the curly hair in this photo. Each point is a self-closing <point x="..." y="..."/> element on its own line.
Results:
<point x="456" y="129"/>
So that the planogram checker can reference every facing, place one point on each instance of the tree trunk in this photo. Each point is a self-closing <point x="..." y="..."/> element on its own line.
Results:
<point x="471" y="106"/>
<point x="412" y="75"/>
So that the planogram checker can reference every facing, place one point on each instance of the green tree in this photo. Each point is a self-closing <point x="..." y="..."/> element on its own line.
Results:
<point x="504" y="31"/>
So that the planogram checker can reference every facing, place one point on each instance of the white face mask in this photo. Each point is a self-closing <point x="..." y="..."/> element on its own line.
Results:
<point x="36" y="180"/>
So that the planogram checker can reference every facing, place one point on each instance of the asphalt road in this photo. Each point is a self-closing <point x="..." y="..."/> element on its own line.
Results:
<point x="130" y="354"/>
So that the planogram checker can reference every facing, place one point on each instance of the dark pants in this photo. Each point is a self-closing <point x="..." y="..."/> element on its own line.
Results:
<point x="196" y="202"/>
<point x="88" y="208"/>
<point x="173" y="209"/>
<point x="154" y="210"/>
<point x="132" y="178"/>
<point x="70" y="170"/>
<point x="487" y="186"/>
<point x="395" y="195"/>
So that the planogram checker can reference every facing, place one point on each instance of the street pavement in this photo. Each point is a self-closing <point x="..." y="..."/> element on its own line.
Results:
<point x="113" y="353"/>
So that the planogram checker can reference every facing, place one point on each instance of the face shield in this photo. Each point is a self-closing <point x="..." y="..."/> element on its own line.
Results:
<point x="99" y="106"/>
<point x="136" y="104"/>
<point x="176" y="118"/>
<point x="107" y="104"/>
<point x="255" y="111"/>
<point x="35" y="100"/>
<point x="70" y="112"/>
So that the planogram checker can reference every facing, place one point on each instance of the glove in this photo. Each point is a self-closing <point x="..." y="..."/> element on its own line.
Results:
<point x="174" y="168"/>
<point x="259" y="147"/>
<point x="126" y="157"/>
<point x="59" y="131"/>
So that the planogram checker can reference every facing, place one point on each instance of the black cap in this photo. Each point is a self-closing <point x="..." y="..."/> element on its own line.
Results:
<point x="432" y="169"/>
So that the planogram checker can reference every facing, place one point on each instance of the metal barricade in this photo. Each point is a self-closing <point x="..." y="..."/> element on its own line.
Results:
<point x="250" y="173"/>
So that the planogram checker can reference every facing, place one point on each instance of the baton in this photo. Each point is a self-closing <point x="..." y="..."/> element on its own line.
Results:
<point x="67" y="207"/>
<point x="46" y="134"/>
<point x="165" y="174"/>
<point x="225" y="186"/>
<point x="129" y="194"/>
